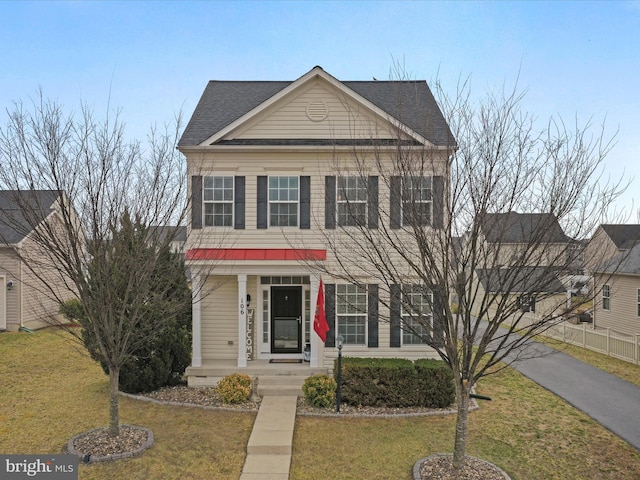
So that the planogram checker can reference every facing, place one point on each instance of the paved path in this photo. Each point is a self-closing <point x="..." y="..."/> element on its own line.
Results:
<point x="270" y="445"/>
<point x="612" y="402"/>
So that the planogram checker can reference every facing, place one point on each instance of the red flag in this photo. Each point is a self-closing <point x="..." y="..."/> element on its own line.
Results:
<point x="320" y="325"/>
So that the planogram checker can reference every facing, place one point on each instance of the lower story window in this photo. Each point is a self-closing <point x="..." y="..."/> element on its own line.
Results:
<point x="416" y="315"/>
<point x="606" y="297"/>
<point x="351" y="313"/>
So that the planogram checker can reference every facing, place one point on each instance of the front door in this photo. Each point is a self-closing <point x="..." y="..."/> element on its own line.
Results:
<point x="286" y="319"/>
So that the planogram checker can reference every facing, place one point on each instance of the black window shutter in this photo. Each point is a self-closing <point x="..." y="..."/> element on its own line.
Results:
<point x="395" y="196"/>
<point x="262" y="196"/>
<point x="196" y="201"/>
<point x="438" y="202"/>
<point x="330" y="202"/>
<point x="238" y="203"/>
<point x="372" y="315"/>
<point x="437" y="334"/>
<point x="372" y="202"/>
<point x="330" y="312"/>
<point x="395" y="316"/>
<point x="305" y="202"/>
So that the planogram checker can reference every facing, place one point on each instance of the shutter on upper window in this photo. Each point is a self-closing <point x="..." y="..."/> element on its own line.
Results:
<point x="372" y="202"/>
<point x="372" y="315"/>
<point x="262" y="199"/>
<point x="330" y="312"/>
<point x="330" y="202"/>
<point x="196" y="201"/>
<point x="395" y="207"/>
<point x="238" y="203"/>
<point x="395" y="314"/>
<point x="305" y="202"/>
<point x="438" y="202"/>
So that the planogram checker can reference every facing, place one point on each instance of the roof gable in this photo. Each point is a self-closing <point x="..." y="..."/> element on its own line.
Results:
<point x="520" y="280"/>
<point x="623" y="236"/>
<point x="227" y="107"/>
<point x="514" y="227"/>
<point x="17" y="222"/>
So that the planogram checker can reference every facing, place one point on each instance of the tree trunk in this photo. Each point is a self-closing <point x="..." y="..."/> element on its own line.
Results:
<point x="114" y="410"/>
<point x="460" y="447"/>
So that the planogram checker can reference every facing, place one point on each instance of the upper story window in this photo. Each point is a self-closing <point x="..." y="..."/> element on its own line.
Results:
<point x="351" y="313"/>
<point x="284" y="195"/>
<point x="606" y="297"/>
<point x="527" y="303"/>
<point x="351" y="197"/>
<point x="417" y="201"/>
<point x="416" y="315"/>
<point x="638" y="311"/>
<point x="218" y="201"/>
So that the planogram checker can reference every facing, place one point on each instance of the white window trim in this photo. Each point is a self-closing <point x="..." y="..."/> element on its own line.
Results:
<point x="347" y="201"/>
<point x="409" y="315"/>
<point x="429" y="202"/>
<point x="279" y="202"/>
<point x="606" y="297"/>
<point x="362" y="314"/>
<point x="216" y="202"/>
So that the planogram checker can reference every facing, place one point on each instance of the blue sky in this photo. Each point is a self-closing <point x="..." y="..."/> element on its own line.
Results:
<point x="153" y="59"/>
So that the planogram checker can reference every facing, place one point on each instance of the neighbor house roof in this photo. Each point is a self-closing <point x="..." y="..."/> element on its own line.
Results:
<point x="626" y="263"/>
<point x="23" y="210"/>
<point x="410" y="102"/>
<point x="520" y="280"/>
<point x="514" y="227"/>
<point x="623" y="236"/>
<point x="178" y="233"/>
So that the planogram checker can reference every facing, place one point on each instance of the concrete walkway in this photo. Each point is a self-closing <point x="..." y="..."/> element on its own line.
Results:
<point x="270" y="445"/>
<point x="611" y="401"/>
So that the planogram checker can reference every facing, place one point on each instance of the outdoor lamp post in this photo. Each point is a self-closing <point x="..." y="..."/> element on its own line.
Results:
<point x="339" y="389"/>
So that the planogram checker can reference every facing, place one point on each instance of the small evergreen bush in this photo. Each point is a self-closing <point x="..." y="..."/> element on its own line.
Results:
<point x="435" y="384"/>
<point x="234" y="388"/>
<point x="320" y="391"/>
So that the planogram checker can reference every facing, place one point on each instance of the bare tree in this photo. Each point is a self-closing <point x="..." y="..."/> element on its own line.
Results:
<point x="456" y="268"/>
<point x="99" y="179"/>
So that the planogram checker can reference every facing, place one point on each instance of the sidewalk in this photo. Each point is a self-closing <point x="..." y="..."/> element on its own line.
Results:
<point x="270" y="445"/>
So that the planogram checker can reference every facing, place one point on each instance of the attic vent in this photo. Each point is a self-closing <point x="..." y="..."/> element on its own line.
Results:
<point x="317" y="111"/>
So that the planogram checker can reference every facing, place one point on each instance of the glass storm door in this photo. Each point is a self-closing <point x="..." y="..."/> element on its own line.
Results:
<point x="286" y="319"/>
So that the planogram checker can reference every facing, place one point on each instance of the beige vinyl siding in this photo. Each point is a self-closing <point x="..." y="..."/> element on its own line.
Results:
<point x="623" y="315"/>
<point x="10" y="268"/>
<point x="344" y="118"/>
<point x="599" y="249"/>
<point x="220" y="318"/>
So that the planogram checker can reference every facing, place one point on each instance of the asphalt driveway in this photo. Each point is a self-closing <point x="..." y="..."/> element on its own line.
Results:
<point x="611" y="401"/>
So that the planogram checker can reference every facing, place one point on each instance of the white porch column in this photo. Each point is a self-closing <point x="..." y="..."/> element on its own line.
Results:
<point x="196" y="325"/>
<point x="316" y="343"/>
<point x="242" y="320"/>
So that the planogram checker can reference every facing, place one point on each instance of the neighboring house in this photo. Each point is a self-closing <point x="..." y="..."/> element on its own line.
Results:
<point x="610" y="240"/>
<point x="261" y="160"/>
<point x="529" y="259"/>
<point x="617" y="278"/>
<point x="25" y="296"/>
<point x="178" y="236"/>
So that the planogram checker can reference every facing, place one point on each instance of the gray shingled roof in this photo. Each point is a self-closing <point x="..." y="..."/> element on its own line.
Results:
<point x="520" y="280"/>
<point x="514" y="227"/>
<point x="411" y="102"/>
<point x="17" y="222"/>
<point x="626" y="262"/>
<point x="623" y="236"/>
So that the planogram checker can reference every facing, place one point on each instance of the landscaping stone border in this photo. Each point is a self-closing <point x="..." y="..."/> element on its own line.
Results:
<point x="418" y="476"/>
<point x="116" y="456"/>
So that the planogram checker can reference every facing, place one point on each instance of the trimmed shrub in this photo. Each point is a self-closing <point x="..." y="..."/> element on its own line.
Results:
<point x="435" y="384"/>
<point x="396" y="382"/>
<point x="234" y="388"/>
<point x="320" y="391"/>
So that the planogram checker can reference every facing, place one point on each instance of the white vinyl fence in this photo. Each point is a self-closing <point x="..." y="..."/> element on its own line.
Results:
<point x="607" y="341"/>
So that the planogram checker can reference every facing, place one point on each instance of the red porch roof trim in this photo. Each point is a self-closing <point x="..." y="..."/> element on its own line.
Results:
<point x="255" y="254"/>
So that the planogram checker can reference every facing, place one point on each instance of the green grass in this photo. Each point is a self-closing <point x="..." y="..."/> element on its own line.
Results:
<point x="51" y="390"/>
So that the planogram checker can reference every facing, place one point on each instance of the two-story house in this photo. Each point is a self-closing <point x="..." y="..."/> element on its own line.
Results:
<point x="614" y="261"/>
<point x="271" y="174"/>
<point x="527" y="259"/>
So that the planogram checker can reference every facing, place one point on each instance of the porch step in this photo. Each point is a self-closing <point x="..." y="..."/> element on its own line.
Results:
<point x="280" y="385"/>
